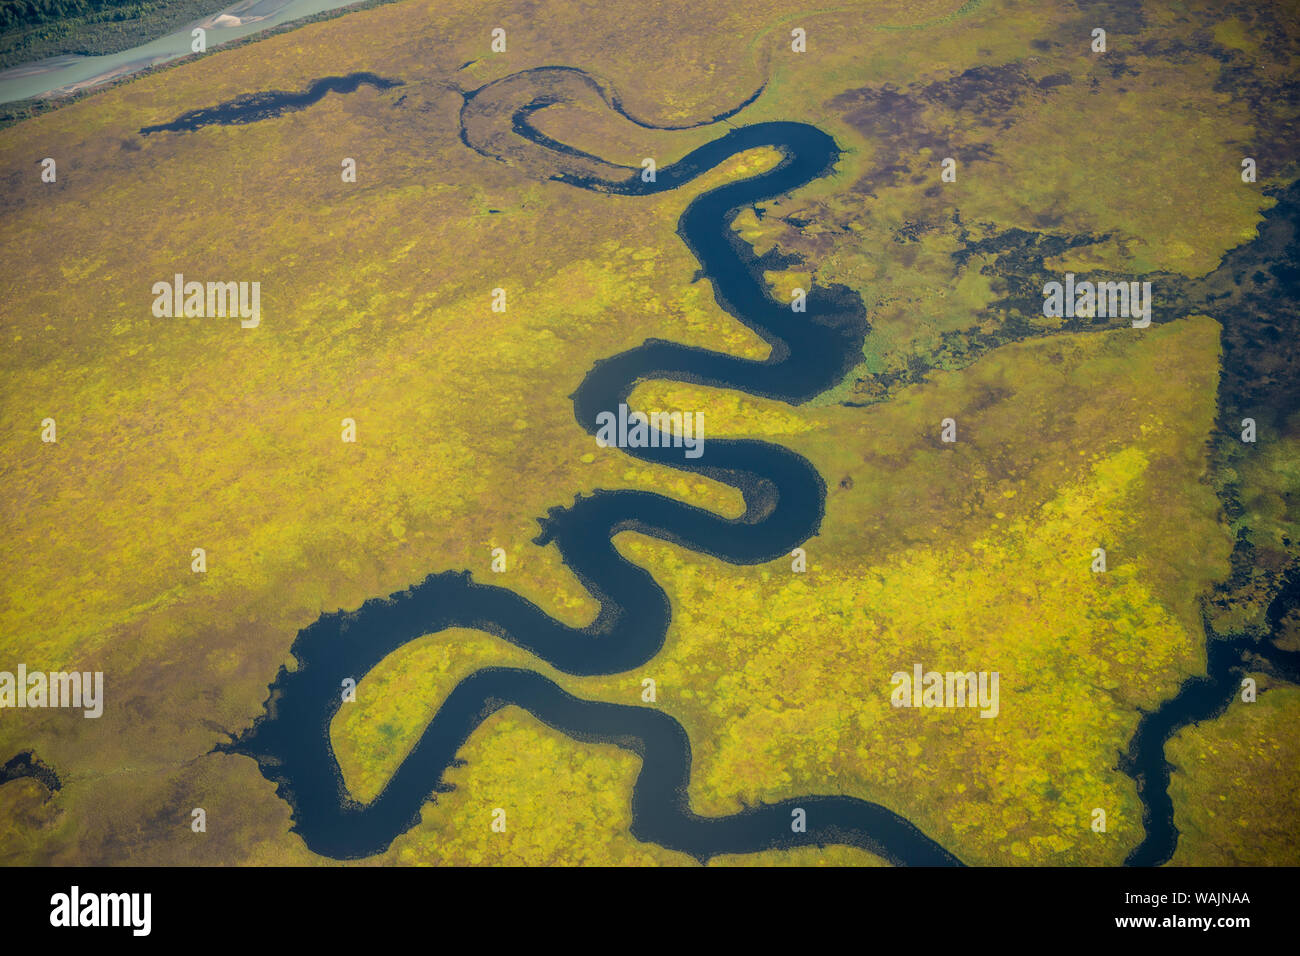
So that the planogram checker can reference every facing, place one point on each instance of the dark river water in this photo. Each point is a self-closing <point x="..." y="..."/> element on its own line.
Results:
<point x="784" y="504"/>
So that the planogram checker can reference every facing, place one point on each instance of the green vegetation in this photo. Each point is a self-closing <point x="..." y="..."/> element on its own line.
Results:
<point x="19" y="13"/>
<point x="192" y="432"/>
<point x="36" y="29"/>
<point x="1235" y="801"/>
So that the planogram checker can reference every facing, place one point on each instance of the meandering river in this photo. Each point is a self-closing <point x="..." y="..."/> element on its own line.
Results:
<point x="784" y="503"/>
<point x="784" y="500"/>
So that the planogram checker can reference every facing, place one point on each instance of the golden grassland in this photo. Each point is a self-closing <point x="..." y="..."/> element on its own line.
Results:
<point x="1235" y="801"/>
<point x="185" y="433"/>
